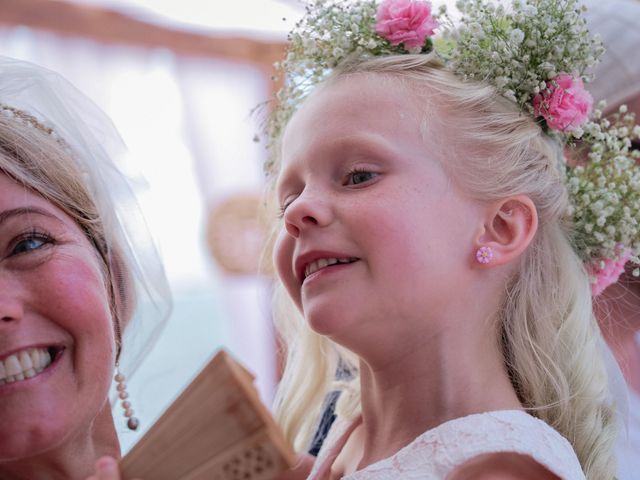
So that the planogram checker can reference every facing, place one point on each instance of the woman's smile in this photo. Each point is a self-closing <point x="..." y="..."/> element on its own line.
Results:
<point x="27" y="363"/>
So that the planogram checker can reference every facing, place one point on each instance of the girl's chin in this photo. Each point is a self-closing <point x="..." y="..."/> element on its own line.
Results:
<point x="322" y="325"/>
<point x="330" y="318"/>
<point x="335" y="330"/>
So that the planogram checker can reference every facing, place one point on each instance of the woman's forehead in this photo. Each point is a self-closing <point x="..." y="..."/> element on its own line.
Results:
<point x="17" y="198"/>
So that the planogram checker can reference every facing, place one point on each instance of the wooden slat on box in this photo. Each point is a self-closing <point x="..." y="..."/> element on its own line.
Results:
<point x="216" y="429"/>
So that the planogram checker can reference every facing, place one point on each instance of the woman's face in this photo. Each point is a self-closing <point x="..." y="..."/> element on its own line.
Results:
<point x="360" y="186"/>
<point x="56" y="333"/>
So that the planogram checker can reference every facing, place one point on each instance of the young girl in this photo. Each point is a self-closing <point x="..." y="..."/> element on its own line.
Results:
<point x="432" y="269"/>
<point x="427" y="241"/>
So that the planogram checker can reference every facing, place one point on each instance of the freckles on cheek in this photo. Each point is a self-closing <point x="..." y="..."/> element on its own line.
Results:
<point x="80" y="292"/>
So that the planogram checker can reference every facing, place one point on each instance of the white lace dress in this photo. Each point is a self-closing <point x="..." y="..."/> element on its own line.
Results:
<point x="435" y="453"/>
<point x="628" y="448"/>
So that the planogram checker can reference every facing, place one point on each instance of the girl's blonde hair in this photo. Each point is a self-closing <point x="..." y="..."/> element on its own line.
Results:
<point x="550" y="339"/>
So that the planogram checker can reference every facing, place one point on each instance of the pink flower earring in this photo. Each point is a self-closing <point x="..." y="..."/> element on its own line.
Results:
<point x="484" y="255"/>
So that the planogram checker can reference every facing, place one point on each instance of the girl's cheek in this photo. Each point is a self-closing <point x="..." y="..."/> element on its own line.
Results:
<point x="282" y="256"/>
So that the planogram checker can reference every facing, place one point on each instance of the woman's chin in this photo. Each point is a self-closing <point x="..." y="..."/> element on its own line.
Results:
<point x="24" y="442"/>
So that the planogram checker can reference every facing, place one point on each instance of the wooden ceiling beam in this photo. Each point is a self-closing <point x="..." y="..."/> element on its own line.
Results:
<point x="110" y="26"/>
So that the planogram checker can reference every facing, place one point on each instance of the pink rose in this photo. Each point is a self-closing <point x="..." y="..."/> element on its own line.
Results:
<point x="609" y="274"/>
<point x="405" y="21"/>
<point x="564" y="104"/>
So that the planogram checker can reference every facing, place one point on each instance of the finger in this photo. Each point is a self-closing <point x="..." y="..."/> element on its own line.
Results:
<point x="107" y="469"/>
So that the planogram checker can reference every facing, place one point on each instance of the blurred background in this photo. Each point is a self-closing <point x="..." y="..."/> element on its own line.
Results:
<point x="179" y="80"/>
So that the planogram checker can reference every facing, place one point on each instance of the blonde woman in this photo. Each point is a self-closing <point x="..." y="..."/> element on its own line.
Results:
<point x="71" y="287"/>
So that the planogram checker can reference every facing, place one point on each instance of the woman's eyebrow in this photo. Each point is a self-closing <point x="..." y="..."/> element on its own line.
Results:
<point x="28" y="210"/>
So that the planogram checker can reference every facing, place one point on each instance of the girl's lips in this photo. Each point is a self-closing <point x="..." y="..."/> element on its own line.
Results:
<point x="328" y="270"/>
<point x="313" y="258"/>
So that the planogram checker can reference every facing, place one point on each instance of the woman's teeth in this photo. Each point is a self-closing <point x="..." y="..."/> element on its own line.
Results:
<point x="24" y="364"/>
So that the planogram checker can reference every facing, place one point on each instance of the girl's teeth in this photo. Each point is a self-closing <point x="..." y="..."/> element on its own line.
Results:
<point x="322" y="263"/>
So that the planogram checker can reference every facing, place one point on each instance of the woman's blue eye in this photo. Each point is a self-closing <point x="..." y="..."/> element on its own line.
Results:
<point x="360" y="176"/>
<point x="29" y="244"/>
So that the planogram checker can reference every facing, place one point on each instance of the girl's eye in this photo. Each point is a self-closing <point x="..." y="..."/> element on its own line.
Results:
<point x="283" y="209"/>
<point x="357" y="177"/>
<point x="30" y="243"/>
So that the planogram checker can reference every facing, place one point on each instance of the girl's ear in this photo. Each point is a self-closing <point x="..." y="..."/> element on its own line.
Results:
<point x="510" y="226"/>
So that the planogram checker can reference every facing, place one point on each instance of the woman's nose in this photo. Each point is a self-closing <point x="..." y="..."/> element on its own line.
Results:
<point x="307" y="211"/>
<point x="11" y="308"/>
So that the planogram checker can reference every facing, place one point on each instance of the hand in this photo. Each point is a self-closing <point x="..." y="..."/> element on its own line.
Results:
<point x="300" y="470"/>
<point x="106" y="469"/>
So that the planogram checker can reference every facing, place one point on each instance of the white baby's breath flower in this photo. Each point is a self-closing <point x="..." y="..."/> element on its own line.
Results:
<point x="517" y="36"/>
<point x="510" y="94"/>
<point x="501" y="82"/>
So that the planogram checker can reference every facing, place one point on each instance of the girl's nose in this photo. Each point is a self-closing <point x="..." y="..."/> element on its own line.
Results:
<point x="306" y="212"/>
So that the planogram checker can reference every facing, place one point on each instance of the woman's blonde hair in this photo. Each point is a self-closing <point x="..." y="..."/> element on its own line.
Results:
<point x="550" y="340"/>
<point x="35" y="157"/>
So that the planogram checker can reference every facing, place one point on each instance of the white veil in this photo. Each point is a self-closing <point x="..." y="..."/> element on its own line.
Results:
<point x="97" y="148"/>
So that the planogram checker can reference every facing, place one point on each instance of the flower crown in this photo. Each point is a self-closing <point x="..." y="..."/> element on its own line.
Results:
<point x="537" y="54"/>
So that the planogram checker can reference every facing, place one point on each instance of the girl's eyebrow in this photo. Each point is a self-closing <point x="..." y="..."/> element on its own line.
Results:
<point x="281" y="181"/>
<point x="14" y="212"/>
<point x="370" y="144"/>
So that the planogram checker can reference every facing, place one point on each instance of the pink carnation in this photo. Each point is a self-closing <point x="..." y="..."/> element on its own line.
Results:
<point x="405" y="21"/>
<point x="609" y="273"/>
<point x="564" y="104"/>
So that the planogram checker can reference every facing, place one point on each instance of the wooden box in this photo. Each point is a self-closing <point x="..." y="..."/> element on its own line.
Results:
<point x="217" y="429"/>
